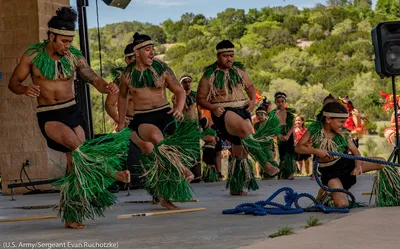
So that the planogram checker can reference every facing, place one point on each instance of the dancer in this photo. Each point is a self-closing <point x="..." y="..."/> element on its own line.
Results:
<point x="210" y="172"/>
<point x="52" y="65"/>
<point x="112" y="99"/>
<point x="168" y="147"/>
<point x="265" y="117"/>
<point x="327" y="134"/>
<point x="221" y="91"/>
<point x="287" y="164"/>
<point x="190" y="112"/>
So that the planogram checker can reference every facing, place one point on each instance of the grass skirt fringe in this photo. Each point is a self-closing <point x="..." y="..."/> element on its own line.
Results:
<point x="210" y="175"/>
<point x="258" y="144"/>
<point x="387" y="187"/>
<point x="83" y="192"/>
<point x="241" y="175"/>
<point x="164" y="168"/>
<point x="327" y="200"/>
<point x="287" y="166"/>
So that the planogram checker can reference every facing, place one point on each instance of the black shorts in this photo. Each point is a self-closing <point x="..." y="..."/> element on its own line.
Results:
<point x="220" y="123"/>
<point x="69" y="115"/>
<point x="218" y="146"/>
<point x="342" y="169"/>
<point x="209" y="156"/>
<point x="302" y="157"/>
<point x="159" y="118"/>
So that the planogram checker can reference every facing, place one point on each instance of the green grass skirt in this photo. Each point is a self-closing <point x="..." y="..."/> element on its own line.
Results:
<point x="387" y="187"/>
<point x="83" y="191"/>
<point x="210" y="174"/>
<point x="287" y="166"/>
<point x="163" y="169"/>
<point x="241" y="175"/>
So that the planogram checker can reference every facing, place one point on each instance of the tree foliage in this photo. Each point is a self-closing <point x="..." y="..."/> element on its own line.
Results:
<point x="306" y="53"/>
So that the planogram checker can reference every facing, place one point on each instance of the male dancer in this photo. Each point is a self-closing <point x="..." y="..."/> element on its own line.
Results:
<point x="112" y="99"/>
<point x="221" y="91"/>
<point x="168" y="148"/>
<point x="52" y="65"/>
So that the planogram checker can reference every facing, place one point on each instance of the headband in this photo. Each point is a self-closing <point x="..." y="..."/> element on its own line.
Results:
<point x="280" y="96"/>
<point x="221" y="50"/>
<point x="130" y="54"/>
<point x="143" y="44"/>
<point x="185" y="78"/>
<point x="262" y="111"/>
<point x="62" y="32"/>
<point x="335" y="115"/>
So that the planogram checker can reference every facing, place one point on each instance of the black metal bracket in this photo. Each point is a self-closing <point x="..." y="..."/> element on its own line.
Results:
<point x="27" y="184"/>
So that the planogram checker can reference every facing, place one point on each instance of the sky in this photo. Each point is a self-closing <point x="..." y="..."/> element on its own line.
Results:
<point x="157" y="11"/>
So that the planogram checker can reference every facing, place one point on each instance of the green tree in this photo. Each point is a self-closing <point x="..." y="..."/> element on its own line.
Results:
<point x="363" y="3"/>
<point x="293" y="23"/>
<point x="316" y="33"/>
<point x="310" y="102"/>
<point x="232" y="23"/>
<point x="388" y="7"/>
<point x="200" y="19"/>
<point x="343" y="28"/>
<point x="172" y="29"/>
<point x="337" y="2"/>
<point x="156" y="33"/>
<point x="288" y="86"/>
<point x="252" y="16"/>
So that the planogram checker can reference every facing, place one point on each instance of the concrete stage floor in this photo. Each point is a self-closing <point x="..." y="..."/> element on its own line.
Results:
<point x="206" y="229"/>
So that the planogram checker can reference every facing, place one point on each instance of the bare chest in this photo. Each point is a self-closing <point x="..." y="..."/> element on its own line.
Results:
<point x="282" y="116"/>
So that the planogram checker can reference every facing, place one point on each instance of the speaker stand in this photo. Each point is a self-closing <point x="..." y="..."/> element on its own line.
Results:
<point x="395" y="155"/>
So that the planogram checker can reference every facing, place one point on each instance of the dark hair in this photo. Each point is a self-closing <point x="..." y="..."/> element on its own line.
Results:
<point x="334" y="107"/>
<point x="129" y="50"/>
<point x="264" y="105"/>
<point x="349" y="103"/>
<point x="280" y="95"/>
<point x="64" y="19"/>
<point x="225" y="44"/>
<point x="138" y="38"/>
<point x="330" y="96"/>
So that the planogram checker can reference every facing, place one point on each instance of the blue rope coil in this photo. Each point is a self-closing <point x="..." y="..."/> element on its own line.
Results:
<point x="366" y="159"/>
<point x="259" y="208"/>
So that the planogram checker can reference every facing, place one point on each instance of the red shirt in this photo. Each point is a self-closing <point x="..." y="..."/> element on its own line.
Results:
<point x="298" y="133"/>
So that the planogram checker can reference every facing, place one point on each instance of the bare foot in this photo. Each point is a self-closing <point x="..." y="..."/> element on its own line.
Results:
<point x="168" y="204"/>
<point x="239" y="193"/>
<point x="271" y="170"/>
<point x="188" y="176"/>
<point x="74" y="225"/>
<point x="155" y="200"/>
<point x="124" y="176"/>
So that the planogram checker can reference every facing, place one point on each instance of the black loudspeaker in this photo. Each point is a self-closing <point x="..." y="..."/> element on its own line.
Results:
<point x="117" y="3"/>
<point x="386" y="41"/>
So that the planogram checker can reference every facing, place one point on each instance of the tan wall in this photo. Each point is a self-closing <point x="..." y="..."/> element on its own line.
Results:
<point x="22" y="22"/>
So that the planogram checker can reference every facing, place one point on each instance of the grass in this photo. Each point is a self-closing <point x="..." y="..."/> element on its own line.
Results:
<point x="282" y="232"/>
<point x="313" y="222"/>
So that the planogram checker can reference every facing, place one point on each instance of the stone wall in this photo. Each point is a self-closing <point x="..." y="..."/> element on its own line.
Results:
<point x="23" y="22"/>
